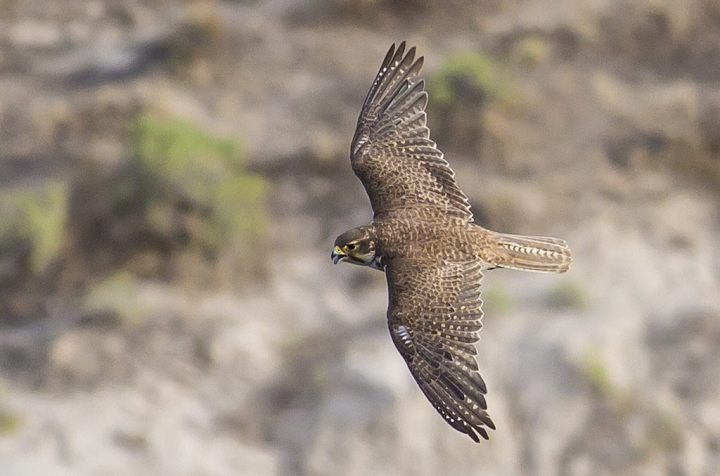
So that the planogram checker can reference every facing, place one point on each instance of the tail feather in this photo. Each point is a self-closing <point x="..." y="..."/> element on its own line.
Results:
<point x="533" y="253"/>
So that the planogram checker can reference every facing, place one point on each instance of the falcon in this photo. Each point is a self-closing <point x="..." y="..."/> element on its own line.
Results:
<point x="424" y="238"/>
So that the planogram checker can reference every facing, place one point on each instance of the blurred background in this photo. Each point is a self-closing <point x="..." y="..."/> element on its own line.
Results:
<point x="173" y="174"/>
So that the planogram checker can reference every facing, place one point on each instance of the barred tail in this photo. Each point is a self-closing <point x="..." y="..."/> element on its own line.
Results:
<point x="533" y="253"/>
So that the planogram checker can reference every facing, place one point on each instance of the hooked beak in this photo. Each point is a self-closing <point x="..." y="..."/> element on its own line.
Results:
<point x="337" y="255"/>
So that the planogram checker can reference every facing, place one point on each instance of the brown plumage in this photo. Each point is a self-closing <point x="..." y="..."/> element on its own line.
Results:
<point x="424" y="238"/>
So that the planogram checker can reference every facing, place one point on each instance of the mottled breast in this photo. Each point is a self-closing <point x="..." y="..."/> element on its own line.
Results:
<point x="410" y="237"/>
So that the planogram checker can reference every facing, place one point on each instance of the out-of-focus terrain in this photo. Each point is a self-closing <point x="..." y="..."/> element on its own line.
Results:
<point x="172" y="176"/>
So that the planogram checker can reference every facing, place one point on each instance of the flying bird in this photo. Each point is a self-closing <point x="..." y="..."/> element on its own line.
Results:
<point x="425" y="240"/>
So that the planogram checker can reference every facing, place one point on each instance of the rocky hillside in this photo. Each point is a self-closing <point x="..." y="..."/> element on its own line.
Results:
<point x="173" y="174"/>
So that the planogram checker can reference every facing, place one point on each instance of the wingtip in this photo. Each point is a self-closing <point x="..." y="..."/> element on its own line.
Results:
<point x="389" y="55"/>
<point x="471" y="433"/>
<point x="489" y="423"/>
<point x="399" y="52"/>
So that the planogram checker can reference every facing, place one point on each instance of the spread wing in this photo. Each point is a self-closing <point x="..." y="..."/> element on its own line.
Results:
<point x="392" y="154"/>
<point x="434" y="319"/>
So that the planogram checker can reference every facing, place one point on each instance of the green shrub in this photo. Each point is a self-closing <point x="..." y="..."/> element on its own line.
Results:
<point x="466" y="76"/>
<point x="596" y="373"/>
<point x="531" y="51"/>
<point x="10" y="423"/>
<point x="184" y="163"/>
<point x="37" y="214"/>
<point x="116" y="293"/>
<point x="497" y="299"/>
<point x="460" y="92"/>
<point x="569" y="295"/>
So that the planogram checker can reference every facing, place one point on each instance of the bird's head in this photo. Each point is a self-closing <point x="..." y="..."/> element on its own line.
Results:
<point x="357" y="246"/>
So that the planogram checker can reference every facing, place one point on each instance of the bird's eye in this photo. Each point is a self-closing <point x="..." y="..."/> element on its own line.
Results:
<point x="351" y="246"/>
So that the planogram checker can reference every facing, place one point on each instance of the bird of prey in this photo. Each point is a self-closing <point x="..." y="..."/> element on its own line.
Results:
<point x="425" y="240"/>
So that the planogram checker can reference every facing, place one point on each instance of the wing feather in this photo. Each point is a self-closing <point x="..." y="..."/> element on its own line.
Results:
<point x="434" y="319"/>
<point x="392" y="154"/>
